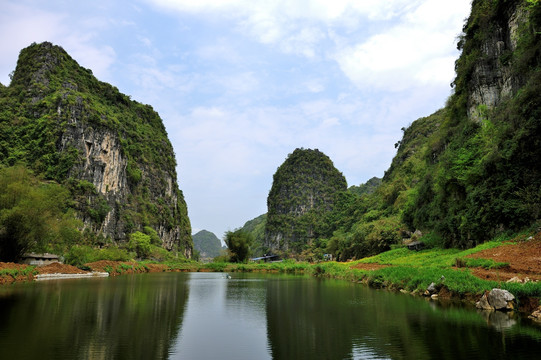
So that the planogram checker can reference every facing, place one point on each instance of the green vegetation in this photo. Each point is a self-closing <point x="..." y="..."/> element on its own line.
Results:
<point x="406" y="269"/>
<point x="79" y="255"/>
<point x="256" y="227"/>
<point x="207" y="244"/>
<point x="140" y="243"/>
<point x="238" y="242"/>
<point x="461" y="176"/>
<point x="14" y="273"/>
<point x="367" y="188"/>
<point x="34" y="215"/>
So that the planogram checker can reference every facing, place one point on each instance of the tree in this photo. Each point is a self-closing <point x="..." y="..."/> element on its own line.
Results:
<point x="34" y="216"/>
<point x="238" y="242"/>
<point x="140" y="243"/>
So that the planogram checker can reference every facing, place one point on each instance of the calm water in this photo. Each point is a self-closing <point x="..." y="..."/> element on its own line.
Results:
<point x="205" y="316"/>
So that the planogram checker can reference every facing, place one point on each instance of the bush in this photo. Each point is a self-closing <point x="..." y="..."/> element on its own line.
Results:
<point x="140" y="243"/>
<point x="79" y="255"/>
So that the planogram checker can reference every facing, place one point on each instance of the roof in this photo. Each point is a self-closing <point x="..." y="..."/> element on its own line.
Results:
<point x="41" y="256"/>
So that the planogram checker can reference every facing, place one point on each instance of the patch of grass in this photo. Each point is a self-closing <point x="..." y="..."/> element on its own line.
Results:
<point x="30" y="270"/>
<point x="430" y="257"/>
<point x="483" y="263"/>
<point x="217" y="267"/>
<point x="126" y="267"/>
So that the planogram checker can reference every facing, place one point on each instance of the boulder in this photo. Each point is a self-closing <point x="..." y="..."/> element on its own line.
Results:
<point x="431" y="288"/>
<point x="483" y="303"/>
<point x="501" y="299"/>
<point x="536" y="315"/>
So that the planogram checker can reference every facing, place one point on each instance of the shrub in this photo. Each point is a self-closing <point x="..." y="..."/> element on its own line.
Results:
<point x="140" y="243"/>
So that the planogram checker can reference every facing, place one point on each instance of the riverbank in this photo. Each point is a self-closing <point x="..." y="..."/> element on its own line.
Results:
<point x="455" y="274"/>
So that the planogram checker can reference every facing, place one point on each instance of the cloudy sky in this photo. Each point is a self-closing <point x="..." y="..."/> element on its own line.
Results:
<point x="240" y="84"/>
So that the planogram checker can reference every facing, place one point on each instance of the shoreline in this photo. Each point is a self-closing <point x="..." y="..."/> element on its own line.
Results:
<point x="398" y="270"/>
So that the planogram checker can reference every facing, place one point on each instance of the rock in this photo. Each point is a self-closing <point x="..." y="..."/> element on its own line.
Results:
<point x="434" y="296"/>
<point x="501" y="299"/>
<point x="536" y="315"/>
<point x="483" y="303"/>
<point x="404" y="291"/>
<point x="514" y="280"/>
<point x="431" y="288"/>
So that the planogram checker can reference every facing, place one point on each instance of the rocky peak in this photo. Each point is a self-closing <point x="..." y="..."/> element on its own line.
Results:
<point x="112" y="152"/>
<point x="304" y="187"/>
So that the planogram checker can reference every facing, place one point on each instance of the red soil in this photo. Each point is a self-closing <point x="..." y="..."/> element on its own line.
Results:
<point x="523" y="257"/>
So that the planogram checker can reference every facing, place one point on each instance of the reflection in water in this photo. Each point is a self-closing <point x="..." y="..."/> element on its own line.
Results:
<point x="130" y="317"/>
<point x="225" y="319"/>
<point x="336" y="320"/>
<point x="251" y="316"/>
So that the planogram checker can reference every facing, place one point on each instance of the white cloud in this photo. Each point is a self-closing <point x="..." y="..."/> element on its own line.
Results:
<point x="20" y="26"/>
<point x="31" y="24"/>
<point x="417" y="51"/>
<point x="413" y="51"/>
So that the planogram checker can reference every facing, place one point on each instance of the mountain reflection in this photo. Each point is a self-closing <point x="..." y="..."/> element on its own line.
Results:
<point x="130" y="317"/>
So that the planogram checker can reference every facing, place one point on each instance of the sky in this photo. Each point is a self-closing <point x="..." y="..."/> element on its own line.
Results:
<point x="240" y="84"/>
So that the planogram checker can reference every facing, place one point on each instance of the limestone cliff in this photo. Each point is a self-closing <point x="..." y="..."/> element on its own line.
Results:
<point x="304" y="188"/>
<point x="111" y="152"/>
<point x="490" y="40"/>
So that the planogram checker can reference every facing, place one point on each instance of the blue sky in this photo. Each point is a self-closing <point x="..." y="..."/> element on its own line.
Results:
<point x="240" y="84"/>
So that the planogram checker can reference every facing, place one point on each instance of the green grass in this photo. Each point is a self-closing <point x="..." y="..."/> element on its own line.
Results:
<point x="479" y="262"/>
<point x="19" y="272"/>
<point x="429" y="257"/>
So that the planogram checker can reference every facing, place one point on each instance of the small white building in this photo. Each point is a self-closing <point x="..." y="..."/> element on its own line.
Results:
<point x="40" y="259"/>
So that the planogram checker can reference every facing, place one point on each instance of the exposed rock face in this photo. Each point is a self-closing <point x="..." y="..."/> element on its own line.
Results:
<point x="303" y="190"/>
<point x="98" y="136"/>
<point x="493" y="79"/>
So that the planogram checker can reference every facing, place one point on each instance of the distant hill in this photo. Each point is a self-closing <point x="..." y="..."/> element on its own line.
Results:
<point x="367" y="188"/>
<point x="208" y="244"/>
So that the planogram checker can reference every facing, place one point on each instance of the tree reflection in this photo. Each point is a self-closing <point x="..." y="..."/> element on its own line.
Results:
<point x="131" y="317"/>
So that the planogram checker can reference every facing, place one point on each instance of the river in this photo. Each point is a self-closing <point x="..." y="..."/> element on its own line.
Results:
<point x="250" y="316"/>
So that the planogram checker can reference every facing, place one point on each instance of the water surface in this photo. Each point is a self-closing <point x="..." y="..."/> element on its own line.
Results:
<point x="250" y="316"/>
